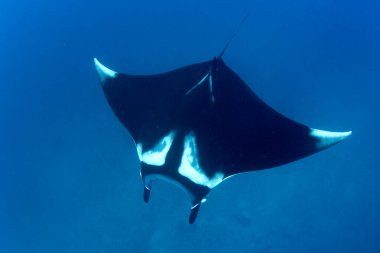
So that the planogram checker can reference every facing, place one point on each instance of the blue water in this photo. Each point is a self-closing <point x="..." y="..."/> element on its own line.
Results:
<point x="69" y="172"/>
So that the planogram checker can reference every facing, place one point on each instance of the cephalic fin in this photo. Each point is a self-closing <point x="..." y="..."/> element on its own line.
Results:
<point x="194" y="213"/>
<point x="147" y="189"/>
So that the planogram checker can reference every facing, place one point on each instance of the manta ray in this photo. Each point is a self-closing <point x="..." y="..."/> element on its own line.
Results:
<point x="201" y="124"/>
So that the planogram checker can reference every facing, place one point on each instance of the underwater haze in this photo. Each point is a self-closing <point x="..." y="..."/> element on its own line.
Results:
<point x="69" y="170"/>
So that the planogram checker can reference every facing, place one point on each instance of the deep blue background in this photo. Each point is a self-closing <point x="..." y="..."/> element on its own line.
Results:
<point x="69" y="172"/>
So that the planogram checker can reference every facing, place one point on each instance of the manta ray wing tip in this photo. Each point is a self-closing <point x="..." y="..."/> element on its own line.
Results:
<point x="326" y="138"/>
<point x="103" y="72"/>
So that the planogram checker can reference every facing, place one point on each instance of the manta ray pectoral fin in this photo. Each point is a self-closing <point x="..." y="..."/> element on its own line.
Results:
<point x="223" y="127"/>
<point x="325" y="139"/>
<point x="104" y="72"/>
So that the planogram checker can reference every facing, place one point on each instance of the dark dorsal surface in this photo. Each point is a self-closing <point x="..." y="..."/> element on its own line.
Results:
<point x="149" y="105"/>
<point x="200" y="124"/>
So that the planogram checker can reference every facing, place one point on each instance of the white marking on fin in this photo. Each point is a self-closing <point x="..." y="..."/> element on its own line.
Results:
<point x="211" y="92"/>
<point x="190" y="165"/>
<point x="199" y="83"/>
<point x="194" y="206"/>
<point x="326" y="138"/>
<point x="104" y="72"/>
<point x="202" y="81"/>
<point x="157" y="155"/>
<point x="139" y="151"/>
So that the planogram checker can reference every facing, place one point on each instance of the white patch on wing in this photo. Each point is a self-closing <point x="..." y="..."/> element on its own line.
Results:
<point x="157" y="155"/>
<point x="103" y="71"/>
<point x="139" y="151"/>
<point x="326" y="138"/>
<point x="190" y="165"/>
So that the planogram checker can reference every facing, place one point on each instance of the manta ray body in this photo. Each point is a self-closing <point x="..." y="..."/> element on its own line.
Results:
<point x="200" y="124"/>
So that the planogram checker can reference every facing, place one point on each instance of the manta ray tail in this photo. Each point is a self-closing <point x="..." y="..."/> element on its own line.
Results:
<point x="234" y="35"/>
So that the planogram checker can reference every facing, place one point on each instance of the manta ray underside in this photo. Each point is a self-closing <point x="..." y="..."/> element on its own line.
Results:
<point x="201" y="124"/>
